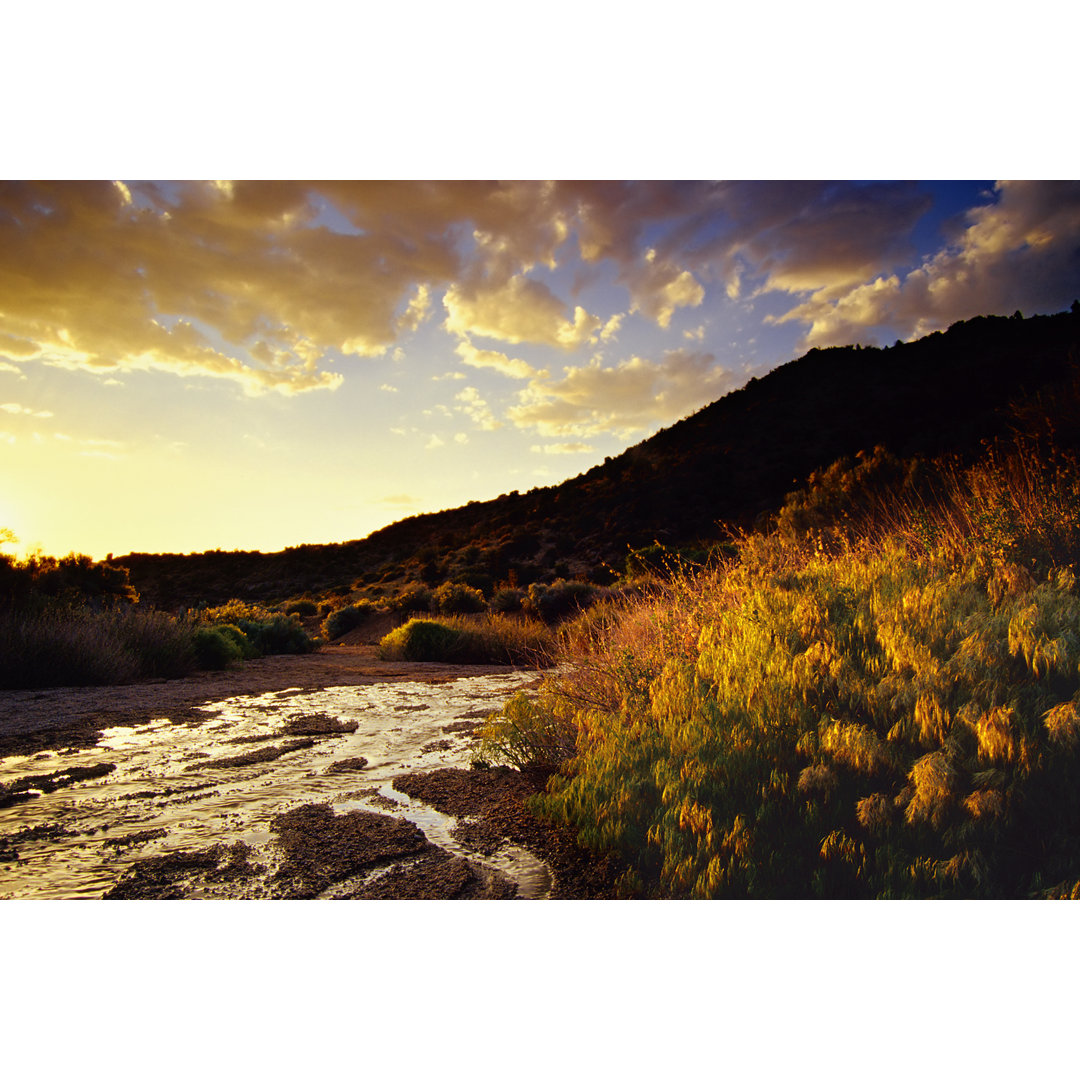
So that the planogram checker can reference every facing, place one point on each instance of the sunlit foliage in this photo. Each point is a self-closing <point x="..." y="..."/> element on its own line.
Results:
<point x="845" y="712"/>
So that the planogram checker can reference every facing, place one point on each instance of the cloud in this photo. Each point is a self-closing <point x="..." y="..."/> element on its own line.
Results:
<point x="22" y="410"/>
<point x="200" y="279"/>
<point x="477" y="409"/>
<point x="659" y="287"/>
<point x="387" y="388"/>
<point x="434" y="443"/>
<point x="624" y="399"/>
<point x="612" y="327"/>
<point x="518" y="310"/>
<point x="1021" y="251"/>
<point x="563" y="448"/>
<point x="497" y="361"/>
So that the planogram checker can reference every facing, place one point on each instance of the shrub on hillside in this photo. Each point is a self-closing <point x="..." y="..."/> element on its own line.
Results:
<point x="340" y="622"/>
<point x="507" y="601"/>
<point x="302" y="607"/>
<point x="559" y="599"/>
<point x="455" y="598"/>
<point x="413" y="598"/>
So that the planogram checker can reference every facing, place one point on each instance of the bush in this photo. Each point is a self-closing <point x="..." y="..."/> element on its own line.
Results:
<point x="558" y="600"/>
<point x="414" y="598"/>
<point x="455" y="598"/>
<point x="216" y="649"/>
<point x="340" y="622"/>
<point x="459" y="639"/>
<point x="506" y="601"/>
<point x="278" y="634"/>
<point x="87" y="648"/>
<point x="423" y="639"/>
<point x="302" y="607"/>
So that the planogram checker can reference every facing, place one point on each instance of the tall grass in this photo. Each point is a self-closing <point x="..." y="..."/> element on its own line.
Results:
<point x="886" y="705"/>
<point x="83" y="647"/>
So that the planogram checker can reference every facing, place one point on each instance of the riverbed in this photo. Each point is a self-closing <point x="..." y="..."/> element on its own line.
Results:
<point x="287" y="792"/>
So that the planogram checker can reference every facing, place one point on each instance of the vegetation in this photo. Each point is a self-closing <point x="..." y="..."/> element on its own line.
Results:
<point x="880" y="699"/>
<point x="485" y="639"/>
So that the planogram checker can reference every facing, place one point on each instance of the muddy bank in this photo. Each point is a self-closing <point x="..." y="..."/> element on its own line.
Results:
<point x="490" y="807"/>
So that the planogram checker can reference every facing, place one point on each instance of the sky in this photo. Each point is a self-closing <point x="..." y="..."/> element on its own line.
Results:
<point x="195" y="365"/>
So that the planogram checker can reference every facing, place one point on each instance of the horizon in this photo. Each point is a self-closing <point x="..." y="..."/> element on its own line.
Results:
<point x="200" y="366"/>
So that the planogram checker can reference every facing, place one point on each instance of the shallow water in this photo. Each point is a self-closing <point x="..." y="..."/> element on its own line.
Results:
<point x="164" y="782"/>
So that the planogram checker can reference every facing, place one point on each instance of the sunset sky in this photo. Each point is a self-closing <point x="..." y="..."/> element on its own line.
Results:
<point x="186" y="366"/>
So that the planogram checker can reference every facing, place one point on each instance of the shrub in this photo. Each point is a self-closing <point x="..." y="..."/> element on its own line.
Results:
<point x="455" y="598"/>
<point x="523" y="734"/>
<point x="422" y="639"/>
<point x="414" y="598"/>
<point x="340" y="622"/>
<point x="508" y="600"/>
<point x="487" y="639"/>
<point x="559" y="599"/>
<point x="277" y="634"/>
<point x="302" y="607"/>
<point x="215" y="649"/>
<point x="82" y="647"/>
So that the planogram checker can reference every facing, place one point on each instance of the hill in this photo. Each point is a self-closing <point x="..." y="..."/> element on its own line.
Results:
<point x="728" y="465"/>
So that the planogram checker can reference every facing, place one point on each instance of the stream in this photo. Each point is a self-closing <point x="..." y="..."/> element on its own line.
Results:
<point x="79" y="819"/>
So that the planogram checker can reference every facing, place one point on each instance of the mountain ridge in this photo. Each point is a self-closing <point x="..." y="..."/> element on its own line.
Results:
<point x="728" y="465"/>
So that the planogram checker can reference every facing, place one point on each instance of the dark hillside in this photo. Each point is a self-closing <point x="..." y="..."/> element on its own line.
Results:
<point x="731" y="462"/>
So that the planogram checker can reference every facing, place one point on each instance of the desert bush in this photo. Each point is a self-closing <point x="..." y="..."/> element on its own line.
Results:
<point x="422" y="639"/>
<point x="302" y="607"/>
<point x="456" y="598"/>
<point x="559" y="599"/>
<point x="523" y="734"/>
<point x="486" y="639"/>
<point x="215" y="649"/>
<point x="413" y="598"/>
<point x="277" y="634"/>
<point x="85" y="647"/>
<point x="507" y="601"/>
<point x="340" y="622"/>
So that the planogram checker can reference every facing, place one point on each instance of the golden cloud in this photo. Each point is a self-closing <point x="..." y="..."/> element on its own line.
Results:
<point x="518" y="310"/>
<point x="624" y="399"/>
<point x="497" y="361"/>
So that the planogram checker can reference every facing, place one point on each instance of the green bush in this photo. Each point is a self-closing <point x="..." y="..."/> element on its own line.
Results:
<point x="423" y="640"/>
<point x="455" y="598"/>
<point x="215" y="648"/>
<point x="302" y="607"/>
<point x="414" y="598"/>
<point x="507" y="601"/>
<point x="559" y="599"/>
<point x="278" y="634"/>
<point x="340" y="622"/>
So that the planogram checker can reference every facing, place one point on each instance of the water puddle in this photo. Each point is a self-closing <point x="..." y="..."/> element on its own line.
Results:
<point x="76" y="820"/>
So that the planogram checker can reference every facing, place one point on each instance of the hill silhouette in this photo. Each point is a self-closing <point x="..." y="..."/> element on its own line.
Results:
<point x="728" y="465"/>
